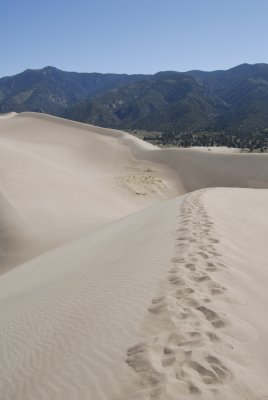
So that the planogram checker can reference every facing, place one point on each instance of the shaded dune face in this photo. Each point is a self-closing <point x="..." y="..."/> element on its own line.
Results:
<point x="124" y="273"/>
<point x="60" y="180"/>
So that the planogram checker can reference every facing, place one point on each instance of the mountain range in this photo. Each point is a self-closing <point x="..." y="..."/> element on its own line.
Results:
<point x="233" y="102"/>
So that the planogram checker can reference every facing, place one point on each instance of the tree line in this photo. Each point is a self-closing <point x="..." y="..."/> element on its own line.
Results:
<point x="173" y="137"/>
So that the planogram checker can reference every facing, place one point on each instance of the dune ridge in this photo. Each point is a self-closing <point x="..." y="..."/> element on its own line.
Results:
<point x="197" y="345"/>
<point x="125" y="273"/>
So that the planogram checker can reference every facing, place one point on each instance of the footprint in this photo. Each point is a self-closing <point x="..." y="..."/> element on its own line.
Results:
<point x="205" y="246"/>
<point x="138" y="348"/>
<point x="208" y="224"/>
<point x="208" y="377"/>
<point x="175" y="340"/>
<point x="168" y="350"/>
<point x="193" y="389"/>
<point x="181" y="245"/>
<point x="214" y="253"/>
<point x="193" y="257"/>
<point x="190" y="266"/>
<point x="200" y="277"/>
<point x="183" y="292"/>
<point x="176" y="280"/>
<point x="139" y="358"/>
<point x="213" y="337"/>
<point x="158" y="308"/>
<point x="186" y="221"/>
<point x="158" y="299"/>
<point x="219" y="368"/>
<point x="168" y="361"/>
<point x="182" y="238"/>
<point x="204" y="255"/>
<point x="192" y="240"/>
<point x="177" y="260"/>
<point x="208" y="313"/>
<point x="211" y="267"/>
<point x="190" y="302"/>
<point x="212" y="317"/>
<point x="206" y="300"/>
<point x="213" y="371"/>
<point x="219" y="323"/>
<point x="212" y="240"/>
<point x="216" y="291"/>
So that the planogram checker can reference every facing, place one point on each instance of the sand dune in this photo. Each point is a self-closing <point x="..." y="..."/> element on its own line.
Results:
<point x="199" y="169"/>
<point x="120" y="279"/>
<point x="60" y="180"/>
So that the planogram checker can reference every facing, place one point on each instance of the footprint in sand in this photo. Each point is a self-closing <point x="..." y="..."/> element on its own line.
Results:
<point x="200" y="277"/>
<point x="193" y="389"/>
<point x="212" y="371"/>
<point x="202" y="254"/>
<point x="161" y="304"/>
<point x="176" y="280"/>
<point x="216" y="289"/>
<point x="177" y="340"/>
<point x="189" y="302"/>
<point x="178" y="260"/>
<point x="211" y="267"/>
<point x="183" y="292"/>
<point x="190" y="267"/>
<point x="213" y="337"/>
<point x="212" y="317"/>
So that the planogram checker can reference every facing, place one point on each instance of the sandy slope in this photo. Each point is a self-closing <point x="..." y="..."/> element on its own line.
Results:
<point x="60" y="180"/>
<point x="112" y="291"/>
<point x="207" y="333"/>
<point x="199" y="169"/>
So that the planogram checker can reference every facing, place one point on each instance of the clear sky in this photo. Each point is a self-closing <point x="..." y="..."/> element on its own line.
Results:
<point x="132" y="36"/>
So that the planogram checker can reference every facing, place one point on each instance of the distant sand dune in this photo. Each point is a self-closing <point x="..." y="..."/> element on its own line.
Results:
<point x="120" y="279"/>
<point x="199" y="169"/>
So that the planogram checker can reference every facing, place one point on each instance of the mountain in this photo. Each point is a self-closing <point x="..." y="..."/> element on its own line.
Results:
<point x="231" y="103"/>
<point x="223" y="82"/>
<point x="50" y="90"/>
<point x="245" y="90"/>
<point x="168" y="98"/>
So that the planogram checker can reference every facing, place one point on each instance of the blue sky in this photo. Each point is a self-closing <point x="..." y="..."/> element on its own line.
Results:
<point x="132" y="36"/>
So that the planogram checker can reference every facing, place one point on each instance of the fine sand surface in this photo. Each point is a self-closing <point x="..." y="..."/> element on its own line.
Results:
<point x="216" y="149"/>
<point x="129" y="272"/>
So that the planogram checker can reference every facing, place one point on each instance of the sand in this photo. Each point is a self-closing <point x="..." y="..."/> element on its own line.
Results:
<point x="129" y="272"/>
<point x="217" y="149"/>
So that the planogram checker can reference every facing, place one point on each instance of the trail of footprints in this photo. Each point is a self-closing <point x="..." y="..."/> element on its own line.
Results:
<point x="189" y="357"/>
